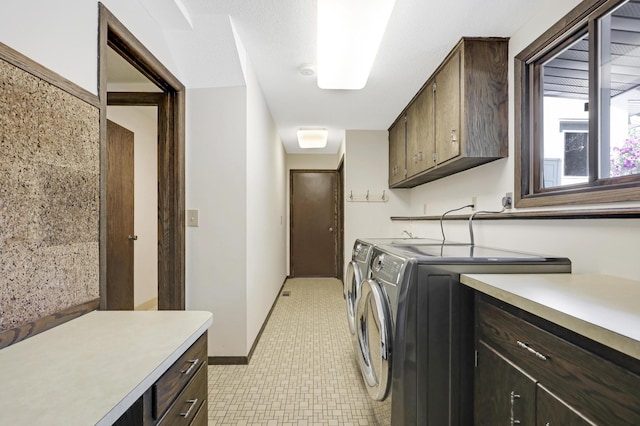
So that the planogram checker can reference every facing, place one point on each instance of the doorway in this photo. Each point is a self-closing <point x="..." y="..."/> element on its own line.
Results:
<point x="169" y="101"/>
<point x="315" y="226"/>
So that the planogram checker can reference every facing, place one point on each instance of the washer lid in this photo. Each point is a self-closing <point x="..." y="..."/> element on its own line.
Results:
<point x="373" y="324"/>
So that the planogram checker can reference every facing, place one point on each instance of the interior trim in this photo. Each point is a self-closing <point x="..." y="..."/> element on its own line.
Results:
<point x="34" y="68"/>
<point x="624" y="213"/>
<point x="171" y="159"/>
<point x="26" y="330"/>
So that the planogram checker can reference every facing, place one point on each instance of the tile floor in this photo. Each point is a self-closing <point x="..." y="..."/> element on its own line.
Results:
<point x="303" y="371"/>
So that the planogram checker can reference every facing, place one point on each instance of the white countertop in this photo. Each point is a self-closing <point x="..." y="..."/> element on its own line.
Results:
<point x="91" y="369"/>
<point x="603" y="308"/>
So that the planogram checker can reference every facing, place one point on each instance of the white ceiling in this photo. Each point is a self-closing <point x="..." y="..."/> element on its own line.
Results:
<point x="279" y="36"/>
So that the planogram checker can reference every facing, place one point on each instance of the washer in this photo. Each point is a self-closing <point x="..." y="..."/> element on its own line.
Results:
<point x="414" y="324"/>
<point x="358" y="268"/>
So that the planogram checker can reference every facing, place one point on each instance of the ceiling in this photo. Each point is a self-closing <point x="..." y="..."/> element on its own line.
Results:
<point x="567" y="74"/>
<point x="279" y="36"/>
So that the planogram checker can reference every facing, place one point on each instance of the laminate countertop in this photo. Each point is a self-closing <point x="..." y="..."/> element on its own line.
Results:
<point x="90" y="370"/>
<point x="601" y="307"/>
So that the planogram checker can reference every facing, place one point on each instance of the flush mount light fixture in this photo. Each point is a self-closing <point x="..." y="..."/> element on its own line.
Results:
<point x="312" y="138"/>
<point x="349" y="34"/>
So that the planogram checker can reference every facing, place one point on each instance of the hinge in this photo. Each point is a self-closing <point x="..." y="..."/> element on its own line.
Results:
<point x="434" y="87"/>
<point x="475" y="358"/>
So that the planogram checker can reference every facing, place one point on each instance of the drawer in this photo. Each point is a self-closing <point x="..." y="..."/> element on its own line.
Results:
<point x="602" y="390"/>
<point x="178" y="375"/>
<point x="192" y="398"/>
<point x="202" y="416"/>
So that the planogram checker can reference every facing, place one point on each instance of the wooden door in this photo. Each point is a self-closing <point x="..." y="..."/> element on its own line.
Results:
<point x="503" y="394"/>
<point x="120" y="168"/>
<point x="421" y="143"/>
<point x="397" y="151"/>
<point x="314" y="223"/>
<point x="448" y="109"/>
<point x="551" y="410"/>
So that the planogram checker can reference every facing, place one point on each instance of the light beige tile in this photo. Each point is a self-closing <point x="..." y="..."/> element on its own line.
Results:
<point x="303" y="371"/>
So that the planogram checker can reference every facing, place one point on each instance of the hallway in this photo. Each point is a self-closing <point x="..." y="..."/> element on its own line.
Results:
<point x="303" y="371"/>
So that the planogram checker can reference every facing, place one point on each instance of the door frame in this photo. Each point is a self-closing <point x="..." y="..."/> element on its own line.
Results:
<point x="171" y="159"/>
<point x="339" y="215"/>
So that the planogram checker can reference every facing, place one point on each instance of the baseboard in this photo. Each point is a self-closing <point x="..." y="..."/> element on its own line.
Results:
<point x="149" y="305"/>
<point x="244" y="360"/>
<point x="228" y="360"/>
<point x="31" y="328"/>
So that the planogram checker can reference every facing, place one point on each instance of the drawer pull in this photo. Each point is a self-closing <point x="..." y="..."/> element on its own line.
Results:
<point x="193" y="363"/>
<point x="533" y="351"/>
<point x="512" y="420"/>
<point x="193" y="403"/>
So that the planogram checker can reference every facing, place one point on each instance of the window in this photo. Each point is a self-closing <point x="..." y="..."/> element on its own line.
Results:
<point x="578" y="108"/>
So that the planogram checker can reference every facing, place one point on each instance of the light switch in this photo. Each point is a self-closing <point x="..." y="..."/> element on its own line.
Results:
<point x="192" y="217"/>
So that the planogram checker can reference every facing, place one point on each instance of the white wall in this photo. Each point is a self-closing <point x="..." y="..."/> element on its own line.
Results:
<point x="266" y="209"/>
<point x="62" y="36"/>
<point x="366" y="166"/>
<point x="216" y="183"/>
<point x="601" y="246"/>
<point x="142" y="121"/>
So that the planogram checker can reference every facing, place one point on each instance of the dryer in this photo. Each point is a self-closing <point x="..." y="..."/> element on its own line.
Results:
<point x="414" y="322"/>
<point x="358" y="268"/>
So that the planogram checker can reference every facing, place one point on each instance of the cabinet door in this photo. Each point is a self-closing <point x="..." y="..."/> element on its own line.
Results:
<point x="397" y="151"/>
<point x="552" y="411"/>
<point x="421" y="143"/>
<point x="448" y="109"/>
<point x="503" y="394"/>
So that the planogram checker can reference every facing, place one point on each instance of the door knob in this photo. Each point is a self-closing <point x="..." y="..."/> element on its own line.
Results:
<point x="330" y="229"/>
<point x="133" y="237"/>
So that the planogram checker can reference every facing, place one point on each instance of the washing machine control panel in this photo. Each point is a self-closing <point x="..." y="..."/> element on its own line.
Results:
<point x="387" y="267"/>
<point x="360" y="252"/>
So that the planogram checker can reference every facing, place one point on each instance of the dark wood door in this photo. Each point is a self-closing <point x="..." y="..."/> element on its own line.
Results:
<point x="120" y="168"/>
<point x="504" y="394"/>
<point x="421" y="142"/>
<point x="447" y="101"/>
<point x="314" y="224"/>
<point x="552" y="411"/>
<point x="397" y="151"/>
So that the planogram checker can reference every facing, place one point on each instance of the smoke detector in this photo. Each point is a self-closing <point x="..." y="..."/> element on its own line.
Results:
<point x="307" y="70"/>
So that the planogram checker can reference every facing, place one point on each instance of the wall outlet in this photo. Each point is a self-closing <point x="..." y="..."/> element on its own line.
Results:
<point x="507" y="200"/>
<point x="474" y="202"/>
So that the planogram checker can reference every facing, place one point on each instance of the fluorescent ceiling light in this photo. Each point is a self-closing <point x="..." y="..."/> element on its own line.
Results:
<point x="349" y="34"/>
<point x="312" y="138"/>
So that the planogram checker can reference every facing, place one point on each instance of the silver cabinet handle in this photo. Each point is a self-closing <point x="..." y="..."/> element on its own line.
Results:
<point x="193" y="403"/>
<point x="453" y="136"/>
<point x="133" y="237"/>
<point x="531" y="350"/>
<point x="193" y="363"/>
<point x="513" y="397"/>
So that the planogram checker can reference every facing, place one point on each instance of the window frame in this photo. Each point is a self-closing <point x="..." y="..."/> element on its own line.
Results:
<point x="528" y="190"/>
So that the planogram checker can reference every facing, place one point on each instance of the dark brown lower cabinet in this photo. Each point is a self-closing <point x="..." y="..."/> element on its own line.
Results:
<point x="178" y="397"/>
<point x="531" y="372"/>
<point x="505" y="395"/>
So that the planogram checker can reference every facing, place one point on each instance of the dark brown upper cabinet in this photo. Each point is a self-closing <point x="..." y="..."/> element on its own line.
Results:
<point x="398" y="151"/>
<point x="458" y="119"/>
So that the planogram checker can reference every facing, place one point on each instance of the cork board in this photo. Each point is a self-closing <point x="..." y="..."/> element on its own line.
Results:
<point x="49" y="198"/>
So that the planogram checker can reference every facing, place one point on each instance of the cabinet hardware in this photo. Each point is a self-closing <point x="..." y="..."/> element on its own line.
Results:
<point x="133" y="237"/>
<point x="193" y="403"/>
<point x="435" y="157"/>
<point x="513" y="397"/>
<point x="193" y="363"/>
<point x="454" y="139"/>
<point x="531" y="350"/>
